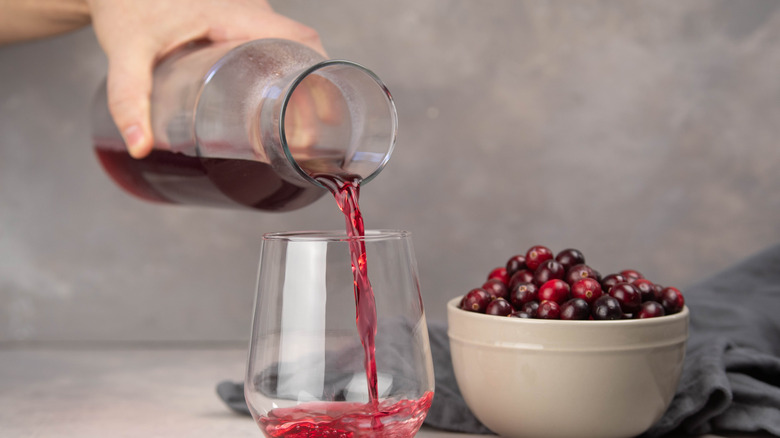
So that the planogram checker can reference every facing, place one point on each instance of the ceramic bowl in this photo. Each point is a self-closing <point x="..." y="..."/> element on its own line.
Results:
<point x="566" y="379"/>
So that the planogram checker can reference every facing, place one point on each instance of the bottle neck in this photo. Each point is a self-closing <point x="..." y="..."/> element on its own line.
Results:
<point x="335" y="117"/>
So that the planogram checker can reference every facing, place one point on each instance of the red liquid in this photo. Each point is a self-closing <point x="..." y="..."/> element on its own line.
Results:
<point x="387" y="419"/>
<point x="346" y="190"/>
<point x="177" y="178"/>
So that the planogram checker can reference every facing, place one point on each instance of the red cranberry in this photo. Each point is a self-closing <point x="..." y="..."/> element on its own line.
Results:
<point x="628" y="296"/>
<point x="646" y="289"/>
<point x="548" y="270"/>
<point x="499" y="273"/>
<point x="499" y="307"/>
<point x="631" y="274"/>
<point x="540" y="284"/>
<point x="610" y="280"/>
<point x="606" y="308"/>
<point x="523" y="293"/>
<point x="530" y="308"/>
<point x="514" y="264"/>
<point x="587" y="289"/>
<point x="521" y="276"/>
<point x="658" y="290"/>
<point x="554" y="290"/>
<point x="651" y="309"/>
<point x="496" y="288"/>
<point x="536" y="255"/>
<point x="476" y="300"/>
<point x="548" y="310"/>
<point x="570" y="257"/>
<point x="578" y="272"/>
<point x="672" y="300"/>
<point x="575" y="309"/>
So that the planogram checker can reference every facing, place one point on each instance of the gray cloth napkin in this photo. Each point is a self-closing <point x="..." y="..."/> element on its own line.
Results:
<point x="731" y="376"/>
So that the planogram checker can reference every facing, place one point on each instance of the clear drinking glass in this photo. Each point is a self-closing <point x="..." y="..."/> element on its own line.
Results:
<point x="307" y="373"/>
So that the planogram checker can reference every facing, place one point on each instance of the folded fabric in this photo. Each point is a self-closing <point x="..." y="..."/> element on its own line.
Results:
<point x="731" y="376"/>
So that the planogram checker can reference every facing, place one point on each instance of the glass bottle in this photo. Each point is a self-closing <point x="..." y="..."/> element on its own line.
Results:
<point x="248" y="125"/>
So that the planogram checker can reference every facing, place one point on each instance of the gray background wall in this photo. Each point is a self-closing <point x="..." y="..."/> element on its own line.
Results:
<point x="643" y="133"/>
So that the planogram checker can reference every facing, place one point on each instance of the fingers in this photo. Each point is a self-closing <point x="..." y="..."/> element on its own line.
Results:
<point x="301" y="33"/>
<point x="135" y="33"/>
<point x="129" y="88"/>
<point x="266" y="24"/>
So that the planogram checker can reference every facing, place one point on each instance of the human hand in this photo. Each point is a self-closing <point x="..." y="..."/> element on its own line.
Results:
<point x="135" y="34"/>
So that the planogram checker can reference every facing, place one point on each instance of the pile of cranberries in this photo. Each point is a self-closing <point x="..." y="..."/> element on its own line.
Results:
<point x="539" y="284"/>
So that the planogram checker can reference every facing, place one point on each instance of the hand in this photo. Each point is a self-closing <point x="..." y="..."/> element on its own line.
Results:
<point x="136" y="33"/>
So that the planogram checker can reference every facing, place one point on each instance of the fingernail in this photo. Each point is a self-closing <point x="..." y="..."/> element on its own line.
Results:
<point x="134" y="138"/>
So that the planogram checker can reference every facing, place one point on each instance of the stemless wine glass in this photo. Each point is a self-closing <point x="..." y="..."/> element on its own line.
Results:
<point x="309" y="373"/>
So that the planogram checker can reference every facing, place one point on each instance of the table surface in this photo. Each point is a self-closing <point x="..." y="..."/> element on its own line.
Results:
<point x="56" y="391"/>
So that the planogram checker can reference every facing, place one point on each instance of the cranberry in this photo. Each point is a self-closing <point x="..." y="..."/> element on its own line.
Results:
<point x="554" y="290"/>
<point x="476" y="300"/>
<point x="536" y="255"/>
<point x="587" y="289"/>
<point x="610" y="280"/>
<point x="541" y="284"/>
<point x="521" y="276"/>
<point x="658" y="290"/>
<point x="606" y="308"/>
<point x="548" y="270"/>
<point x="575" y="308"/>
<point x="578" y="272"/>
<point x="631" y="274"/>
<point x="548" y="310"/>
<point x="499" y="307"/>
<point x="496" y="288"/>
<point x="530" y="308"/>
<point x="499" y="273"/>
<point x="628" y="296"/>
<point x="646" y="289"/>
<point x="514" y="264"/>
<point x="570" y="257"/>
<point x="523" y="293"/>
<point x="672" y="300"/>
<point x="651" y="309"/>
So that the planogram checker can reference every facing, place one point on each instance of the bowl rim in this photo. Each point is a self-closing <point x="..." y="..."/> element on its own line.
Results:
<point x="452" y="305"/>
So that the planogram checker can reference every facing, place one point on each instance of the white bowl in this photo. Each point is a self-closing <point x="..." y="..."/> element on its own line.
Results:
<point x="566" y="379"/>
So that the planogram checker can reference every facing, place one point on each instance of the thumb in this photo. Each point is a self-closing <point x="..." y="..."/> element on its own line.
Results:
<point x="129" y="86"/>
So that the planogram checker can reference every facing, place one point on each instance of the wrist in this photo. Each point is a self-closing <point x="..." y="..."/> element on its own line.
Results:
<point x="31" y="19"/>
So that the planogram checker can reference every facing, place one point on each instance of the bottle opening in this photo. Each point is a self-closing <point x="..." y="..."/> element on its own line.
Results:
<point x="338" y="118"/>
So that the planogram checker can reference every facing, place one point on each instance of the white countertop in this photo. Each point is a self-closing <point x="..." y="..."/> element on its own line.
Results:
<point x="84" y="392"/>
